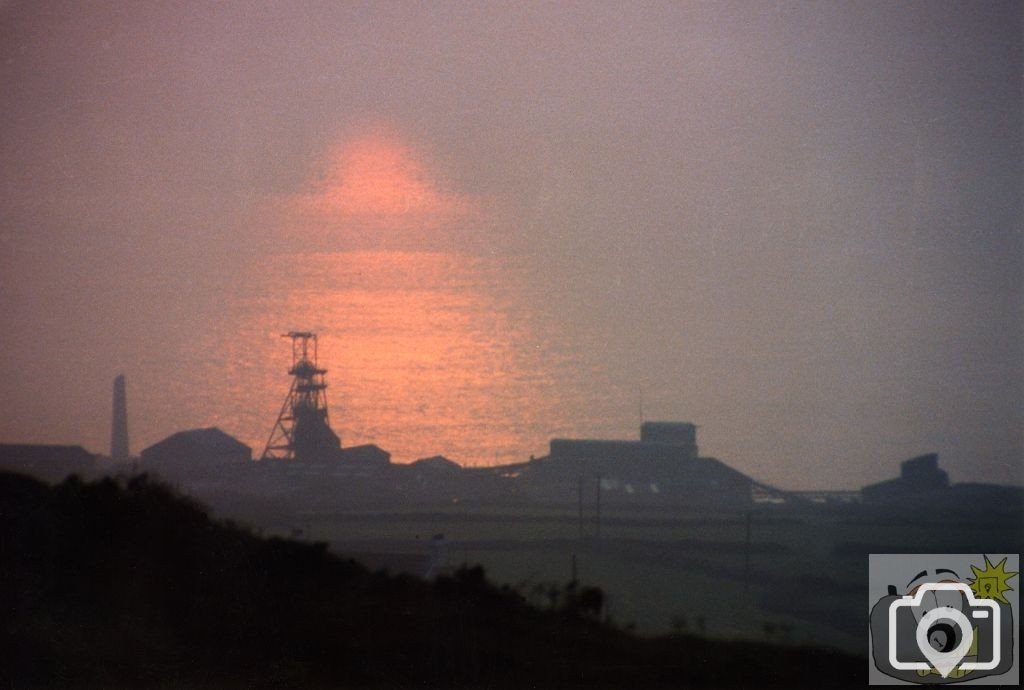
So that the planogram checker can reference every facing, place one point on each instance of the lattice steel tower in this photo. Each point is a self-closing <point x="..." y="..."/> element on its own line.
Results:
<point x="302" y="431"/>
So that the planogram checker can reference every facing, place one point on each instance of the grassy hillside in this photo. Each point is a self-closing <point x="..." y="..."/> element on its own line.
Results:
<point x="125" y="583"/>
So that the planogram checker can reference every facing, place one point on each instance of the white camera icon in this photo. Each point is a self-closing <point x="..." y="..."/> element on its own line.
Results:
<point x="946" y="661"/>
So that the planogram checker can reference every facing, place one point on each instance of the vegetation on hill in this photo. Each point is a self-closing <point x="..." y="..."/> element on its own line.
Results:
<point x="123" y="582"/>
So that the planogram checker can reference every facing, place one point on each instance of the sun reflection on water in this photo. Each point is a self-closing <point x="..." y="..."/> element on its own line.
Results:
<point x="428" y="353"/>
<point x="430" y="350"/>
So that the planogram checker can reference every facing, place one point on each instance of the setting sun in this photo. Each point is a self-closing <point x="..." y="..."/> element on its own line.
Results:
<point x="378" y="175"/>
<point x="377" y="190"/>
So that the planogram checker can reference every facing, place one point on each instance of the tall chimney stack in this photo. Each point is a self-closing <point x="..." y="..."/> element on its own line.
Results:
<point x="119" y="422"/>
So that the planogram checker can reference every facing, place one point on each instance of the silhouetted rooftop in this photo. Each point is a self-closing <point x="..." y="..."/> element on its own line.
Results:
<point x="210" y="439"/>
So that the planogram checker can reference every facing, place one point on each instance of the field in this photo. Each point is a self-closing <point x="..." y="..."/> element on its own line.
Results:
<point x="801" y="578"/>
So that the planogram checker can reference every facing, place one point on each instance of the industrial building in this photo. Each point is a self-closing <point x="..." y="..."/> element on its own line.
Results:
<point x="199" y="450"/>
<point x="920" y="475"/>
<point x="49" y="463"/>
<point x="366" y="455"/>
<point x="303" y="455"/>
<point x="663" y="467"/>
<point x="922" y="483"/>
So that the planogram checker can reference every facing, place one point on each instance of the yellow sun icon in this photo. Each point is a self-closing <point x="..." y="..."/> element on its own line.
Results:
<point x="991" y="582"/>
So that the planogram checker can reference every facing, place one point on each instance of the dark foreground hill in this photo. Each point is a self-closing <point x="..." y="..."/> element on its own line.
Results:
<point x="126" y="584"/>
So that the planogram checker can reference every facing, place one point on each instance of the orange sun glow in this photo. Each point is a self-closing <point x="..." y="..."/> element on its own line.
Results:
<point x="379" y="176"/>
<point x="377" y="190"/>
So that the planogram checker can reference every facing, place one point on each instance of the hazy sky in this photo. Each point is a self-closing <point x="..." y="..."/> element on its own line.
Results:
<point x="795" y="223"/>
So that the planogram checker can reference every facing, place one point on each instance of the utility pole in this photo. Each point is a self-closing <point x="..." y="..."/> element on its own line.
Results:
<point x="598" y="507"/>
<point x="746" y="554"/>
<point x="579" y="502"/>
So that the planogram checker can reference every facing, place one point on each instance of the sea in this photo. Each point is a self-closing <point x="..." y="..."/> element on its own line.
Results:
<point x="427" y="353"/>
